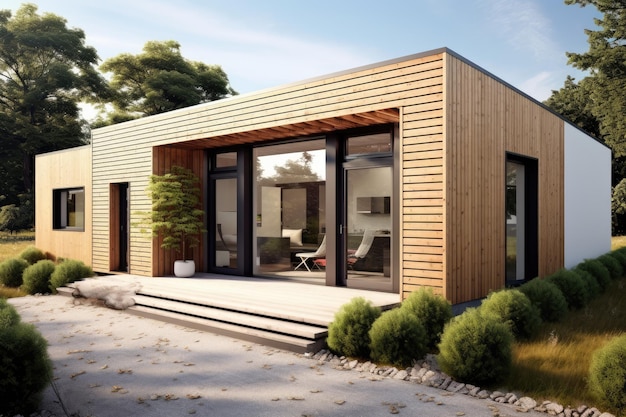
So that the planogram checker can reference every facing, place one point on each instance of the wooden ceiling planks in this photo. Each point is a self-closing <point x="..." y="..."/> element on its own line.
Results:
<point x="293" y="130"/>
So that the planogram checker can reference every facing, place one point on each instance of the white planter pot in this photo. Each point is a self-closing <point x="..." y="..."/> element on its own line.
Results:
<point x="184" y="269"/>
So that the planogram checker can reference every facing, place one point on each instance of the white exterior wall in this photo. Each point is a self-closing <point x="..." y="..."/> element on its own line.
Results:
<point x="587" y="197"/>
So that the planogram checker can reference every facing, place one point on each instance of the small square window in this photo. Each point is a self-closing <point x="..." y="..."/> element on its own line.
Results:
<point x="69" y="209"/>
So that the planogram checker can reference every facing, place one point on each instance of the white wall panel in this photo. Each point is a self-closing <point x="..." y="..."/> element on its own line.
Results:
<point x="587" y="197"/>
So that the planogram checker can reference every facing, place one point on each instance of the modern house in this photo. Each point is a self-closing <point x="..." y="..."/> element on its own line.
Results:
<point x="424" y="170"/>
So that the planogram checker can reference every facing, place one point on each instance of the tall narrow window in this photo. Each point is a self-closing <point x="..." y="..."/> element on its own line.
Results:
<point x="69" y="209"/>
<point x="521" y="219"/>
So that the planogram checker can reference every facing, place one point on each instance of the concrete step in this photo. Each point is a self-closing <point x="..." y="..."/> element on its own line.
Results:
<point x="280" y="341"/>
<point x="265" y="323"/>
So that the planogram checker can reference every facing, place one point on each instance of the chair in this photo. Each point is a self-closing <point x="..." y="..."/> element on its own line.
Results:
<point x="305" y="256"/>
<point x="363" y="249"/>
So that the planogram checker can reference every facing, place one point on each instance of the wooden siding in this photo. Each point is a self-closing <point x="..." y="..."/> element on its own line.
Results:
<point x="485" y="119"/>
<point x="422" y="179"/>
<point x="57" y="170"/>
<point x="366" y="96"/>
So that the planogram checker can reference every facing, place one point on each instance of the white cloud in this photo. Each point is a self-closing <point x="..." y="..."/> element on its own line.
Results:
<point x="524" y="27"/>
<point x="539" y="86"/>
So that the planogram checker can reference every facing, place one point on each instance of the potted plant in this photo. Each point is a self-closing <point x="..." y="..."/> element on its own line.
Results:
<point x="175" y="214"/>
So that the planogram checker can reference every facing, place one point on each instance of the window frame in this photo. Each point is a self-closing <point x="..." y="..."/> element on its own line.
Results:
<point x="60" y="208"/>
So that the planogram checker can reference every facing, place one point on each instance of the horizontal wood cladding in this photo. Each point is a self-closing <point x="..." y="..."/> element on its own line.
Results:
<point x="485" y="120"/>
<point x="57" y="170"/>
<point x="422" y="190"/>
<point x="369" y="96"/>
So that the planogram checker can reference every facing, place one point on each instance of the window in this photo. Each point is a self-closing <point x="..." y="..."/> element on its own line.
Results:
<point x="69" y="209"/>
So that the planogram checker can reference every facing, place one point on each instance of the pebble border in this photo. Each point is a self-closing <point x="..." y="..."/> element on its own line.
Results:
<point x="425" y="372"/>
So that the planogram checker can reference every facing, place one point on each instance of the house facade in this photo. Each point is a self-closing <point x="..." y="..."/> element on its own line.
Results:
<point x="420" y="171"/>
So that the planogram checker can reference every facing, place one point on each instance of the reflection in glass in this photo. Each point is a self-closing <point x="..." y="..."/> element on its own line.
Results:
<point x="515" y="218"/>
<point x="290" y="209"/>
<point x="368" y="144"/>
<point x="226" y="222"/>
<point x="369" y="224"/>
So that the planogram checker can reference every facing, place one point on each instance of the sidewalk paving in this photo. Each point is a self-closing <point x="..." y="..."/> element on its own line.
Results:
<point x="111" y="363"/>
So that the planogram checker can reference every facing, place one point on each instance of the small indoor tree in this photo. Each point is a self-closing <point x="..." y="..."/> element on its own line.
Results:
<point x="175" y="214"/>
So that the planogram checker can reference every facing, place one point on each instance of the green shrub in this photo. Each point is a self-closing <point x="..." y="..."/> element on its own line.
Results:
<point x="572" y="287"/>
<point x="11" y="272"/>
<point x="32" y="255"/>
<point x="348" y="334"/>
<point x="69" y="271"/>
<point x="607" y="374"/>
<point x="26" y="369"/>
<point x="547" y="297"/>
<point x="397" y="338"/>
<point x="598" y="270"/>
<point x="8" y="314"/>
<point x="612" y="264"/>
<point x="476" y="348"/>
<point x="514" y="309"/>
<point x="591" y="283"/>
<point x="620" y="257"/>
<point x="37" y="277"/>
<point x="432" y="311"/>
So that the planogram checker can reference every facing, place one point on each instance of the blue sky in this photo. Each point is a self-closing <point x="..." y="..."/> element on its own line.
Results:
<point x="263" y="44"/>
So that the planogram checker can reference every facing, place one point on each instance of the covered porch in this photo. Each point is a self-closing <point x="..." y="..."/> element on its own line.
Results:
<point x="276" y="312"/>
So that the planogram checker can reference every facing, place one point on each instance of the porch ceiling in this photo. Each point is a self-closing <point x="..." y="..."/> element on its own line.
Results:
<point x="314" y="127"/>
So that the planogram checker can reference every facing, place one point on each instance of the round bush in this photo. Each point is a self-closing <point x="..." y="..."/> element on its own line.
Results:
<point x="514" y="309"/>
<point x="8" y="314"/>
<point x="69" y="271"/>
<point x="612" y="264"/>
<point x="572" y="287"/>
<point x="348" y="334"/>
<point x="547" y="297"/>
<point x="26" y="369"/>
<point x="598" y="270"/>
<point x="32" y="255"/>
<point x="37" y="277"/>
<point x="476" y="348"/>
<point x="620" y="257"/>
<point x="607" y="374"/>
<point x="397" y="338"/>
<point x="11" y="272"/>
<point x="591" y="283"/>
<point x="433" y="311"/>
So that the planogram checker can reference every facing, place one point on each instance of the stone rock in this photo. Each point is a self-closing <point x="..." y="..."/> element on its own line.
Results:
<point x="606" y="415"/>
<point x="455" y="386"/>
<point x="590" y="412"/>
<point x="474" y="391"/>
<point x="496" y="394"/>
<point x="446" y="383"/>
<point x="512" y="399"/>
<point x="483" y="395"/>
<point x="527" y="403"/>
<point x="401" y="375"/>
<point x="554" y="408"/>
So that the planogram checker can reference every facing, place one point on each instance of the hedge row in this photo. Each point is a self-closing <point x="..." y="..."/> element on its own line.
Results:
<point x="35" y="274"/>
<point x="476" y="346"/>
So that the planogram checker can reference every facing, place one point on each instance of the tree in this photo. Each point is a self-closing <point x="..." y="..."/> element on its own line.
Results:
<point x="573" y="101"/>
<point x="45" y="70"/>
<point x="159" y="79"/>
<point x="606" y="62"/>
<point x="299" y="170"/>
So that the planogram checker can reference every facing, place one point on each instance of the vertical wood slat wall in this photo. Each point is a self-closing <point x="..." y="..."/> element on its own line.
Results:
<point x="485" y="119"/>
<point x="165" y="157"/>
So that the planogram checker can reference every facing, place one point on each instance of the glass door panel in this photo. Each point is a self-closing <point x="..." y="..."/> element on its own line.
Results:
<point x="290" y="213"/>
<point x="515" y="222"/>
<point x="226" y="233"/>
<point x="368" y="230"/>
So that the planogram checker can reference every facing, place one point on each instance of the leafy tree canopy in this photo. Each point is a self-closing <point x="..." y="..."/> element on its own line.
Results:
<point x="45" y="70"/>
<point x="159" y="79"/>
